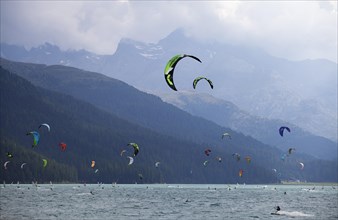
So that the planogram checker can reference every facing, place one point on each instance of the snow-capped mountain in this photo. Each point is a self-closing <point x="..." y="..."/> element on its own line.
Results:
<point x="303" y="93"/>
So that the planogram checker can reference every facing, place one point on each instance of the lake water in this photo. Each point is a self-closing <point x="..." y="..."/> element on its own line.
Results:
<point x="163" y="201"/>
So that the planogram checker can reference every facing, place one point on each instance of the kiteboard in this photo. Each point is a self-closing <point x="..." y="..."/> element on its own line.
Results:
<point x="274" y="213"/>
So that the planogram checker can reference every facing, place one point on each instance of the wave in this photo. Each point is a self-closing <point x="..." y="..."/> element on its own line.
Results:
<point x="293" y="214"/>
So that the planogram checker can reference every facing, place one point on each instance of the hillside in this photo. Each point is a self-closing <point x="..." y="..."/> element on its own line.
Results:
<point x="265" y="130"/>
<point x="27" y="166"/>
<point x="93" y="134"/>
<point x="150" y="111"/>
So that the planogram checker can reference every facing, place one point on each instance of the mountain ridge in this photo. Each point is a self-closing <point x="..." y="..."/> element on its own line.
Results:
<point x="88" y="128"/>
<point x="263" y="129"/>
<point x="269" y="87"/>
<point x="89" y="133"/>
<point x="151" y="111"/>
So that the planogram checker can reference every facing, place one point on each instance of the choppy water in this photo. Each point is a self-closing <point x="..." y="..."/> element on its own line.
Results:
<point x="105" y="201"/>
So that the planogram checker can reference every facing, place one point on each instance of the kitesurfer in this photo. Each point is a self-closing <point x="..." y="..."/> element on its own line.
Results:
<point x="277" y="209"/>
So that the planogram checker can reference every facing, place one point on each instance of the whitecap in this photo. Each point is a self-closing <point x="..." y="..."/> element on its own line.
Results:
<point x="294" y="214"/>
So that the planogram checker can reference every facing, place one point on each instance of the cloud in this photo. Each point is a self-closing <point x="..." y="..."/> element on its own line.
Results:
<point x="294" y="30"/>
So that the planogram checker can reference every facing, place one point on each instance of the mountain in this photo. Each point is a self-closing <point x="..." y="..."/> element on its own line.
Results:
<point x="265" y="130"/>
<point x="151" y="112"/>
<point x="94" y="134"/>
<point x="303" y="93"/>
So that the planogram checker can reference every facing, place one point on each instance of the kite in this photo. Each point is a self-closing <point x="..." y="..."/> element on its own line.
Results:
<point x="22" y="165"/>
<point x="281" y="130"/>
<point x="199" y="78"/>
<point x="205" y="163"/>
<point x="237" y="156"/>
<point x="226" y="135"/>
<point x="282" y="157"/>
<point x="46" y="125"/>
<point x="240" y="173"/>
<point x="136" y="148"/>
<point x="9" y="155"/>
<point x="122" y="152"/>
<point x="63" y="146"/>
<point x="5" y="164"/>
<point x="36" y="137"/>
<point x="291" y="149"/>
<point x="170" y="67"/>
<point x="131" y="161"/>
<point x="248" y="159"/>
<point x="207" y="152"/>
<point x="44" y="162"/>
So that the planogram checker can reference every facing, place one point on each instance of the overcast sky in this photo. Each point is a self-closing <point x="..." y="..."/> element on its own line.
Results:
<point x="289" y="29"/>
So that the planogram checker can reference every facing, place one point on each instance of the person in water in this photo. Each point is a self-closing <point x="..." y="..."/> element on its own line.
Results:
<point x="277" y="209"/>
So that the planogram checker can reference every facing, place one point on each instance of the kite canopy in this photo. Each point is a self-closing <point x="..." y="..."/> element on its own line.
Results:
<point x="200" y="78"/>
<point x="46" y="125"/>
<point x="237" y="156"/>
<point x="122" y="152"/>
<point x="282" y="157"/>
<point x="226" y="135"/>
<point x="36" y="137"/>
<point x="63" y="146"/>
<point x="170" y="67"/>
<point x="22" y="165"/>
<point x="5" y="164"/>
<point x="207" y="152"/>
<point x="9" y="155"/>
<point x="281" y="130"/>
<point x="44" y="162"/>
<point x="205" y="163"/>
<point x="291" y="149"/>
<point x="136" y="148"/>
<point x="131" y="161"/>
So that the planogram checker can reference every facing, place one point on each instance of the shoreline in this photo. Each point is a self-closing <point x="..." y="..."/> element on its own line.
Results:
<point x="283" y="183"/>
